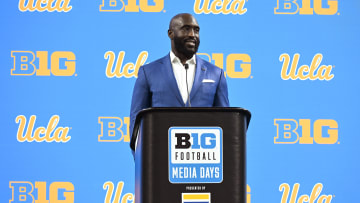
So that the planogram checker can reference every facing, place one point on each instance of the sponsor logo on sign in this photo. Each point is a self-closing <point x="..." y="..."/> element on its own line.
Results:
<point x="132" y="6"/>
<point x="195" y="155"/>
<point x="50" y="133"/>
<point x="196" y="197"/>
<point x="113" y="128"/>
<point x="237" y="65"/>
<point x="235" y="7"/>
<point x="119" y="69"/>
<point x="314" y="196"/>
<point x="304" y="72"/>
<point x="26" y="64"/>
<point x="325" y="131"/>
<point x="23" y="191"/>
<point x="109" y="187"/>
<point x="307" y="7"/>
<point x="44" y="5"/>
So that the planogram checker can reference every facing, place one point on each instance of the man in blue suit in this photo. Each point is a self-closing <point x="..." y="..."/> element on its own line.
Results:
<point x="181" y="78"/>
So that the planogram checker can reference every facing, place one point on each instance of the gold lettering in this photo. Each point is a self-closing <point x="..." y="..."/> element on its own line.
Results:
<point x="311" y="72"/>
<point x="220" y="6"/>
<point x="333" y="7"/>
<point x="129" y="69"/>
<point x="128" y="197"/>
<point x="70" y="63"/>
<point x="60" y="133"/>
<point x="68" y="194"/>
<point x="286" y="191"/>
<point x="201" y="9"/>
<point x="43" y="5"/>
<point x="214" y="5"/>
<point x="303" y="69"/>
<point x="237" y="7"/>
<point x="294" y="192"/>
<point x="315" y="193"/>
<point x="110" y="189"/>
<point x="159" y="5"/>
<point x="303" y="198"/>
<point x="109" y="186"/>
<point x="20" y="135"/>
<point x="43" y="63"/>
<point x="41" y="188"/>
<point x="332" y="137"/>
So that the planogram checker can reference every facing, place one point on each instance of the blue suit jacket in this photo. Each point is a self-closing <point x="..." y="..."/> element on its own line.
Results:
<point x="156" y="87"/>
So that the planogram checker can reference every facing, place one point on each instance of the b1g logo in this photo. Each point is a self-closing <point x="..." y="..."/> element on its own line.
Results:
<point x="304" y="7"/>
<point x="312" y="72"/>
<point x="220" y="6"/>
<point x="325" y="131"/>
<point x="111" y="129"/>
<point x="44" y="5"/>
<point x="237" y="65"/>
<point x="127" y="70"/>
<point x="26" y="64"/>
<point x="23" y="192"/>
<point x="313" y="197"/>
<point x="195" y="155"/>
<point x="132" y="6"/>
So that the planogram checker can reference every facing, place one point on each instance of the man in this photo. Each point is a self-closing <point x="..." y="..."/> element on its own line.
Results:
<point x="169" y="81"/>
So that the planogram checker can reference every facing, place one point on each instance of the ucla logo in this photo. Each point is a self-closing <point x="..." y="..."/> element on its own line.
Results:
<point x="44" y="5"/>
<point x="131" y="6"/>
<point x="126" y="198"/>
<point x="119" y="70"/>
<point x="237" y="65"/>
<point x="50" y="133"/>
<point x="313" y="72"/>
<point x="195" y="155"/>
<point x="235" y="7"/>
<point x="26" y="64"/>
<point x="307" y="7"/>
<point x="325" y="131"/>
<point x="315" y="195"/>
<point x="248" y="194"/>
<point x="23" y="192"/>
<point x="111" y="129"/>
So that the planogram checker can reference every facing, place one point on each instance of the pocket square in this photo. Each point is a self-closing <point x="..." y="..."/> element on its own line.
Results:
<point x="208" y="80"/>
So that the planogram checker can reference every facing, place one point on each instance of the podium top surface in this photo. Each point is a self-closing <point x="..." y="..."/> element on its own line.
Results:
<point x="194" y="109"/>
<point x="147" y="111"/>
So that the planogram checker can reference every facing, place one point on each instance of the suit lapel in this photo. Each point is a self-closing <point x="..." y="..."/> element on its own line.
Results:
<point x="199" y="76"/>
<point x="170" y="78"/>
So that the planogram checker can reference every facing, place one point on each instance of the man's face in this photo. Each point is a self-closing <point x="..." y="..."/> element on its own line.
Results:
<point x="186" y="35"/>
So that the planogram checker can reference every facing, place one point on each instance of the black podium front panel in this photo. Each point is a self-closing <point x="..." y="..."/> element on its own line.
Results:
<point x="191" y="155"/>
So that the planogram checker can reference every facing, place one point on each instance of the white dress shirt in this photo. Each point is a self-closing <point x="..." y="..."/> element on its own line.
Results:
<point x="180" y="74"/>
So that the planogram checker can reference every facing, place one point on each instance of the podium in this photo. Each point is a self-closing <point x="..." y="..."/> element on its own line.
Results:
<point x="186" y="155"/>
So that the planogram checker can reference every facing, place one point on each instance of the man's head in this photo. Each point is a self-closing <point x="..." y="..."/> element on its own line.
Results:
<point x="184" y="34"/>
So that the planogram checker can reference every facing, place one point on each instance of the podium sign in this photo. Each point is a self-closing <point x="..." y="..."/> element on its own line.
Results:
<point x="190" y="155"/>
<point x="195" y="155"/>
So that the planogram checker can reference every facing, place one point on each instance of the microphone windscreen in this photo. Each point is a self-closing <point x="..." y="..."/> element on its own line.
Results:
<point x="186" y="66"/>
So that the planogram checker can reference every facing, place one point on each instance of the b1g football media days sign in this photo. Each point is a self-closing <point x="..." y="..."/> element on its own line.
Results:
<point x="195" y="155"/>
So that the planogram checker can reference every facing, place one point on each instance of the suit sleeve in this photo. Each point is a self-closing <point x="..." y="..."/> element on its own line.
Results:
<point x="221" y="96"/>
<point x="141" y="98"/>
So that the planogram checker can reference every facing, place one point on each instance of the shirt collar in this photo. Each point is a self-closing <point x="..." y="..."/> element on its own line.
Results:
<point x="175" y="59"/>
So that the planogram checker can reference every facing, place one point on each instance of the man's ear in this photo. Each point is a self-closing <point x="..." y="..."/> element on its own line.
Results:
<point x="170" y="34"/>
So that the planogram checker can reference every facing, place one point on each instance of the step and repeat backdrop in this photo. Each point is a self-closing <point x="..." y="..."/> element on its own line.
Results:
<point x="68" y="68"/>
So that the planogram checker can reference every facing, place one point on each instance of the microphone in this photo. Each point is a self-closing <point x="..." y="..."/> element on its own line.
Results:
<point x="187" y="87"/>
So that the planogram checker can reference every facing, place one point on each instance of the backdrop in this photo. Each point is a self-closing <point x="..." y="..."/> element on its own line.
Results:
<point x="68" y="68"/>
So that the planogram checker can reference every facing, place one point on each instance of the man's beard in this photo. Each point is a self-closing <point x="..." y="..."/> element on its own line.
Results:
<point x="180" y="46"/>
